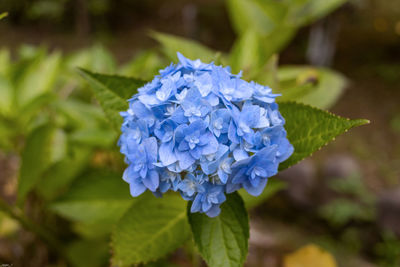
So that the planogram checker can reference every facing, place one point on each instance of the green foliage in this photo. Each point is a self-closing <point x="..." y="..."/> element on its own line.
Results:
<point x="96" y="59"/>
<point x="341" y="211"/>
<point x="88" y="253"/>
<point x="309" y="129"/>
<point x="276" y="22"/>
<point x="99" y="197"/>
<point x="388" y="251"/>
<point x="355" y="202"/>
<point x="38" y="78"/>
<point x="223" y="240"/>
<point x="189" y="48"/>
<point x="58" y="177"/>
<point x="150" y="229"/>
<point x="145" y="65"/>
<point x="46" y="145"/>
<point x="247" y="54"/>
<point x="112" y="91"/>
<point x="318" y="87"/>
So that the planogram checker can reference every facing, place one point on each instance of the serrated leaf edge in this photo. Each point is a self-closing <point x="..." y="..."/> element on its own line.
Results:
<point x="357" y="122"/>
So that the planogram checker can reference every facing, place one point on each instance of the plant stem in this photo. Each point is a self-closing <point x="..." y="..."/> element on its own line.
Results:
<point x="28" y="224"/>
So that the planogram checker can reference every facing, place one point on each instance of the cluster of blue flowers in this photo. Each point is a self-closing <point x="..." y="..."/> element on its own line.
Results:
<point x="204" y="132"/>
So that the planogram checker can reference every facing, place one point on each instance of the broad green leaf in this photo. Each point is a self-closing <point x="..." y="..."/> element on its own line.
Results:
<point x="96" y="58"/>
<point x="145" y="65"/>
<point x="6" y="96"/>
<point x="59" y="176"/>
<point x="189" y="48"/>
<point x="80" y="114"/>
<point x="277" y="40"/>
<point x="309" y="128"/>
<point x="93" y="137"/>
<point x="305" y="12"/>
<point x="45" y="146"/>
<point x="223" y="240"/>
<point x="246" y="14"/>
<point x="88" y="253"/>
<point x="112" y="92"/>
<point x="276" y="11"/>
<point x="100" y="197"/>
<point x="319" y="87"/>
<point x="150" y="229"/>
<point x="273" y="186"/>
<point x="267" y="18"/>
<point x="38" y="79"/>
<point x="5" y="60"/>
<point x="268" y="74"/>
<point x="247" y="55"/>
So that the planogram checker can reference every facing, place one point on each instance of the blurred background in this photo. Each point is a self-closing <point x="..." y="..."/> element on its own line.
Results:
<point x="344" y="200"/>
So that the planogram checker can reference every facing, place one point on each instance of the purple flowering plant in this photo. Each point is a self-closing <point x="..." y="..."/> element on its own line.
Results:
<point x="204" y="132"/>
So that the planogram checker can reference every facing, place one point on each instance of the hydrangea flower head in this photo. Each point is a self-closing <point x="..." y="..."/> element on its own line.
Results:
<point x="204" y="132"/>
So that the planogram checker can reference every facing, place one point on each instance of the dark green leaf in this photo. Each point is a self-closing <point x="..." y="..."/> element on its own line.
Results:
<point x="45" y="145"/>
<point x="223" y="240"/>
<point x="150" y="229"/>
<point x="309" y="128"/>
<point x="100" y="197"/>
<point x="112" y="92"/>
<point x="88" y="253"/>
<point x="60" y="175"/>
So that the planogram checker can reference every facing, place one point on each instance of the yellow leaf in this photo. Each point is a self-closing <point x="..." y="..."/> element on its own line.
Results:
<point x="310" y="255"/>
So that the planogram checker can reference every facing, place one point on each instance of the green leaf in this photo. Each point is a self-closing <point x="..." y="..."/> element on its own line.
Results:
<point x="58" y="177"/>
<point x="273" y="186"/>
<point x="112" y="92"/>
<point x="189" y="48"/>
<point x="96" y="58"/>
<point x="319" y="87"/>
<point x="88" y="253"/>
<point x="38" y="79"/>
<point x="145" y="65"/>
<point x="246" y="14"/>
<point x="309" y="128"/>
<point x="150" y="229"/>
<point x="223" y="240"/>
<point x="268" y="73"/>
<point x="247" y="54"/>
<point x="94" y="137"/>
<point x="305" y="12"/>
<point x="80" y="114"/>
<point x="6" y="96"/>
<point x="340" y="211"/>
<point x="45" y="146"/>
<point x="5" y="61"/>
<point x="277" y="40"/>
<point x="100" y="197"/>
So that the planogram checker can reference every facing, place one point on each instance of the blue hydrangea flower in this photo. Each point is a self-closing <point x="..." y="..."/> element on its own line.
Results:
<point x="200" y="130"/>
